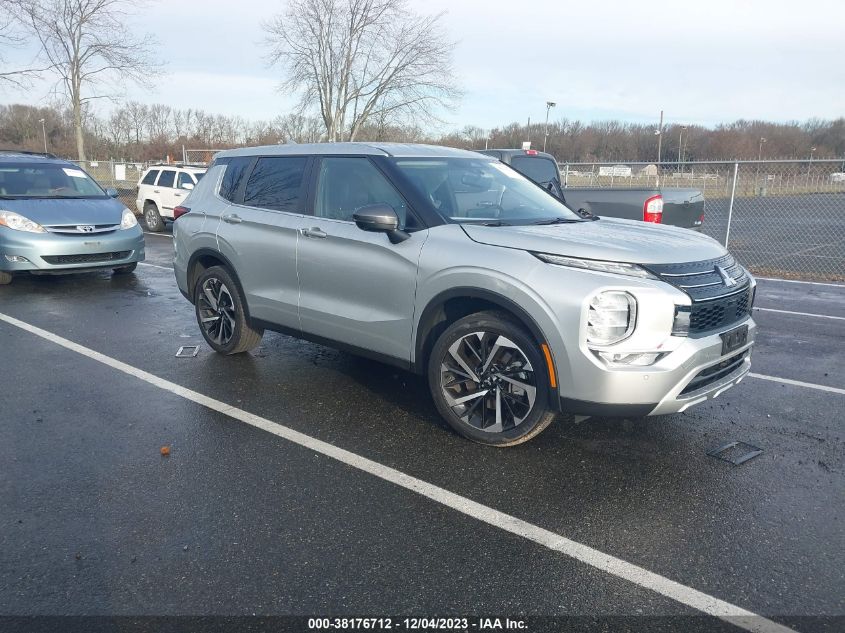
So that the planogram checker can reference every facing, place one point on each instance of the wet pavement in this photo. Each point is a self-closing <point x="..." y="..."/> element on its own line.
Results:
<point x="236" y="521"/>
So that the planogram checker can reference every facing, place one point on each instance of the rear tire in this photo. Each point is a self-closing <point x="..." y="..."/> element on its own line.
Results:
<point x="219" y="306"/>
<point x="152" y="218"/>
<point x="493" y="356"/>
<point x="5" y="278"/>
<point x="125" y="270"/>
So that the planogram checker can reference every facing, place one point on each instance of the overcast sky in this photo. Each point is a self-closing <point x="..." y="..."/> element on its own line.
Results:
<point x="702" y="62"/>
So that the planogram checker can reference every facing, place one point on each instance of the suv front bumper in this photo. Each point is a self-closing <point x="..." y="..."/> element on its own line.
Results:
<point x="695" y="372"/>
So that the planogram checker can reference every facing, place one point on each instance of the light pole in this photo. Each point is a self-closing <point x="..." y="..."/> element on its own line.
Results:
<point x="549" y="106"/>
<point x="759" y="158"/>
<point x="680" y="145"/>
<point x="44" y="133"/>
<point x="659" y="133"/>
<point x="812" y="151"/>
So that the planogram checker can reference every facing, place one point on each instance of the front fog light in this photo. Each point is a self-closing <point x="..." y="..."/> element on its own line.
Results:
<point x="611" y="317"/>
<point x="680" y="326"/>
<point x="634" y="360"/>
<point x="16" y="259"/>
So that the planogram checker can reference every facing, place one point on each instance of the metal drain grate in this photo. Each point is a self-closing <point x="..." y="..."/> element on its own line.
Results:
<point x="736" y="453"/>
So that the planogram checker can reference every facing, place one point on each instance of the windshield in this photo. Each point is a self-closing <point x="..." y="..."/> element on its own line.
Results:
<point x="46" y="181"/>
<point x="482" y="191"/>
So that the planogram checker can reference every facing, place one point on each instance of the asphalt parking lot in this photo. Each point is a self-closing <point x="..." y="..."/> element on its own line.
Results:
<point x="251" y="513"/>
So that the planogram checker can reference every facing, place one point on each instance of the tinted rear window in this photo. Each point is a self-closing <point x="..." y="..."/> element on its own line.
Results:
<point x="150" y="178"/>
<point x="538" y="169"/>
<point x="167" y="178"/>
<point x="235" y="170"/>
<point x="276" y="183"/>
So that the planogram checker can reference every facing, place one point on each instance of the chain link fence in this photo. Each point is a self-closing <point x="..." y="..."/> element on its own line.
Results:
<point x="779" y="218"/>
<point x="118" y="175"/>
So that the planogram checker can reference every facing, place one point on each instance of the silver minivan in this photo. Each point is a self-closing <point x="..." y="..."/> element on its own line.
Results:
<point x="55" y="219"/>
<point x="453" y="265"/>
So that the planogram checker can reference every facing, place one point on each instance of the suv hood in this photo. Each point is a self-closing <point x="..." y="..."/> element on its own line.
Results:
<point x="606" y="239"/>
<point x="67" y="211"/>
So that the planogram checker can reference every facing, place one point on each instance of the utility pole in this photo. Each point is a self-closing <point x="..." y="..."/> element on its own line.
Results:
<point x="759" y="158"/>
<point x="528" y="130"/>
<point x="680" y="150"/>
<point x="812" y="151"/>
<point x="659" y="133"/>
<point x="549" y="106"/>
<point x="44" y="133"/>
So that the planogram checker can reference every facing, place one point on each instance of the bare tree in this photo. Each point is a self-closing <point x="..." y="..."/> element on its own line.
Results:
<point x="353" y="60"/>
<point x="89" y="45"/>
<point x="10" y="39"/>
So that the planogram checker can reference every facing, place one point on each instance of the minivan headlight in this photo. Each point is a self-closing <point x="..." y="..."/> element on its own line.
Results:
<point x="618" y="268"/>
<point x="611" y="317"/>
<point x="17" y="222"/>
<point x="129" y="220"/>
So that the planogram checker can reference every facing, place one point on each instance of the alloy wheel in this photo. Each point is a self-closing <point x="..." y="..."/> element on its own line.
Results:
<point x="217" y="311"/>
<point x="488" y="382"/>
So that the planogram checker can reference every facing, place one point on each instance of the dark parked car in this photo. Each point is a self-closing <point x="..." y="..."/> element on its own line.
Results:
<point x="678" y="207"/>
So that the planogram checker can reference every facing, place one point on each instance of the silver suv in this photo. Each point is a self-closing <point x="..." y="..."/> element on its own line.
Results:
<point x="453" y="265"/>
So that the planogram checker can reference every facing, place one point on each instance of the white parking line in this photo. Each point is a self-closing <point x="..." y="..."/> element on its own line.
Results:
<point x="159" y="234"/>
<point x="807" y="314"/>
<point x="798" y="383"/>
<point x="796" y="281"/>
<point x="155" y="266"/>
<point x="605" y="562"/>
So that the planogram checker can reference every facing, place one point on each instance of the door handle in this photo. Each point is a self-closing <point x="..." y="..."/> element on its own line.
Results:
<point x="156" y="191"/>
<point x="232" y="219"/>
<point x="314" y="231"/>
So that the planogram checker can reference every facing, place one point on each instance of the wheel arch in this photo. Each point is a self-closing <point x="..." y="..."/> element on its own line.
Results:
<point x="451" y="305"/>
<point x="203" y="259"/>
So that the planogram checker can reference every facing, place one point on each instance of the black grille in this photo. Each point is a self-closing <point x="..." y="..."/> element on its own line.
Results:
<point x="720" y="313"/>
<point x="715" y="373"/>
<point x="714" y="304"/>
<point x="87" y="258"/>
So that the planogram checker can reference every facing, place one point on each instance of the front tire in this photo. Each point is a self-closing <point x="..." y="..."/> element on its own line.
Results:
<point x="219" y="306"/>
<point x="489" y="380"/>
<point x="152" y="218"/>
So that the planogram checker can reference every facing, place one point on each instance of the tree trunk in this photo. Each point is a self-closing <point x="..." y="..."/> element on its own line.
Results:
<point x="77" y="126"/>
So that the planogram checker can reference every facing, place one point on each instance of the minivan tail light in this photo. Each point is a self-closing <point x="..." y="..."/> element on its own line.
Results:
<point x="178" y="212"/>
<point x="653" y="209"/>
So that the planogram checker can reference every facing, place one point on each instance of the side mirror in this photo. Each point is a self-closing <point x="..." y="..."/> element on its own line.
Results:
<point x="111" y="192"/>
<point x="188" y="185"/>
<point x="380" y="218"/>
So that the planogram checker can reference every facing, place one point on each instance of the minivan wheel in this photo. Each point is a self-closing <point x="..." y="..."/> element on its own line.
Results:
<point x="152" y="218"/>
<point x="5" y="278"/>
<point x="489" y="381"/>
<point x="220" y="313"/>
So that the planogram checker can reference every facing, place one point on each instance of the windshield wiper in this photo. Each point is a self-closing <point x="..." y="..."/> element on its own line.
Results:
<point x="556" y="221"/>
<point x="495" y="223"/>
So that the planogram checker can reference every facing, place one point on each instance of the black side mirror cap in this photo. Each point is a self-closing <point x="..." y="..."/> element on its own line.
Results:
<point x="380" y="218"/>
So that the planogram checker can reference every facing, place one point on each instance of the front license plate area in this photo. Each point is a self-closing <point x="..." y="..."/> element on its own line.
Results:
<point x="734" y="339"/>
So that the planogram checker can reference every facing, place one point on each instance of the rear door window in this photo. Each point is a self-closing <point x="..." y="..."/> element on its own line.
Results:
<point x="167" y="178"/>
<point x="185" y="179"/>
<point x="540" y="170"/>
<point x="150" y="178"/>
<point x="276" y="183"/>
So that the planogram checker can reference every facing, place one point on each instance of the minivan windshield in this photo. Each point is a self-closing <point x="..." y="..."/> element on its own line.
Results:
<point x="483" y="191"/>
<point x="46" y="181"/>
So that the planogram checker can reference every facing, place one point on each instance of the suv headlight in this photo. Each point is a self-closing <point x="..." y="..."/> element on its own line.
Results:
<point x="17" y="222"/>
<point x="611" y="317"/>
<point x="617" y="268"/>
<point x="128" y="220"/>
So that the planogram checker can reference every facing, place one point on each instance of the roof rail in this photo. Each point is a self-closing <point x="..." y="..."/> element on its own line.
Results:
<point x="28" y="153"/>
<point x="180" y="164"/>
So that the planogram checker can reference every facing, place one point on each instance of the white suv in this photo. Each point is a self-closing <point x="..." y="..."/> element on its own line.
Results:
<point x="162" y="188"/>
